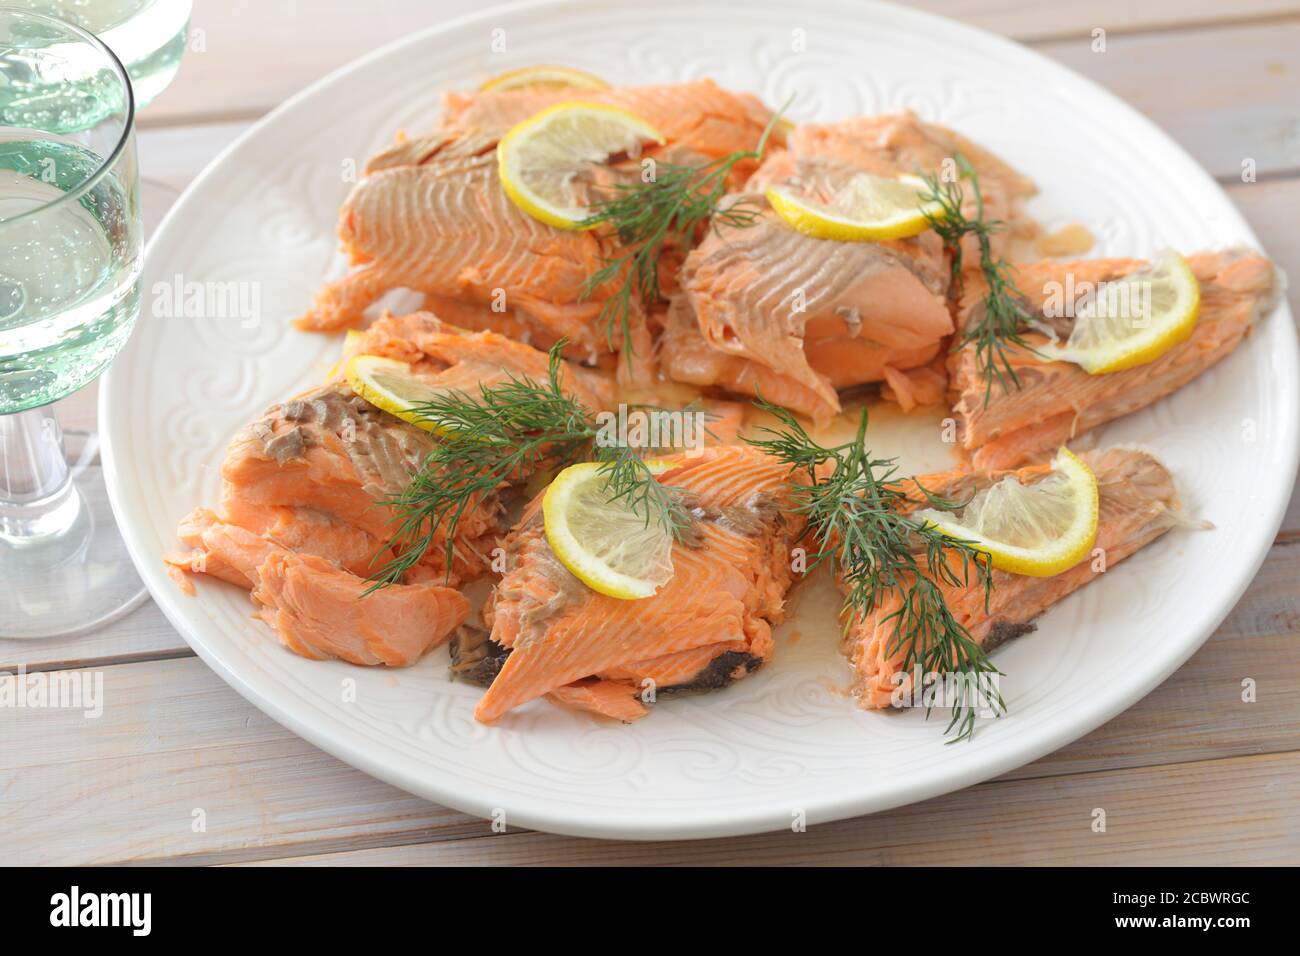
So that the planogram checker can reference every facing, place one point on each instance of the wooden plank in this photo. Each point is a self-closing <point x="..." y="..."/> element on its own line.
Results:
<point x="143" y="634"/>
<point x="174" y="738"/>
<point x="1272" y="208"/>
<point x="1034" y="20"/>
<point x="170" y="159"/>
<point x="1227" y="94"/>
<point x="1221" y="812"/>
<point x="246" y="56"/>
<point x="242" y="70"/>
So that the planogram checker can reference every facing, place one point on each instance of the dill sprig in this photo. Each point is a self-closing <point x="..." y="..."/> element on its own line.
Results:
<point x="509" y="430"/>
<point x="646" y="216"/>
<point x="855" y="506"/>
<point x="1004" y="314"/>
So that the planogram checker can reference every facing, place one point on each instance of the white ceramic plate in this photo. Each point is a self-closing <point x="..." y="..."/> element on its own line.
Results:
<point x="787" y="740"/>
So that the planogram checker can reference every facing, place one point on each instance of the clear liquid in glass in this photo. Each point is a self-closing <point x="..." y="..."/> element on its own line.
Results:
<point x="148" y="36"/>
<point x="69" y="289"/>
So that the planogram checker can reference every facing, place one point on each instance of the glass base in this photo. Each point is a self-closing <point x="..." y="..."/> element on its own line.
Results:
<point x="72" y="582"/>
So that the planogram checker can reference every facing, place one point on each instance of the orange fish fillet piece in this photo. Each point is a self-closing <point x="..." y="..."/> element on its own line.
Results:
<point x="456" y="359"/>
<point x="605" y="698"/>
<point x="302" y="523"/>
<point x="727" y="590"/>
<point x="1058" y="401"/>
<point x="448" y="230"/>
<point x="320" y="612"/>
<point x="893" y="143"/>
<point x="316" y="607"/>
<point x="430" y="215"/>
<point x="796" y="318"/>
<point x="698" y="115"/>
<point x="330" y="452"/>
<point x="1138" y="503"/>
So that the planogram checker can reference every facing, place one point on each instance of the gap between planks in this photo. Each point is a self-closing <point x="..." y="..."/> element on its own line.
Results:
<point x="1170" y="27"/>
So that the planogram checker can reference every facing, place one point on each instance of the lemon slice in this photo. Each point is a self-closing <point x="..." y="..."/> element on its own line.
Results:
<point x="1040" y="529"/>
<point x="350" y="342"/>
<point x="1133" y="320"/>
<point x="606" y="544"/>
<point x="539" y="158"/>
<point x="866" y="209"/>
<point x="543" y="77"/>
<point x="390" y="385"/>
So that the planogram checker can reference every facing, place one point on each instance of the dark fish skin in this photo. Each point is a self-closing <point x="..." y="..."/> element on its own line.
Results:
<point x="727" y="592"/>
<point x="719" y="673"/>
<point x="1138" y="502"/>
<point x="1003" y="631"/>
<point x="475" y="657"/>
<point x="384" y="450"/>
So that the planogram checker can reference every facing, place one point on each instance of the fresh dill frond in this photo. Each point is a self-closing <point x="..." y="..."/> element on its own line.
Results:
<point x="509" y="430"/>
<point x="856" y="509"/>
<point x="646" y="216"/>
<point x="1005" y="316"/>
<point x="630" y="479"/>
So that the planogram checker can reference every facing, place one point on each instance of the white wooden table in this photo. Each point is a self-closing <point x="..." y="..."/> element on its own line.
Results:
<point x="1190" y="774"/>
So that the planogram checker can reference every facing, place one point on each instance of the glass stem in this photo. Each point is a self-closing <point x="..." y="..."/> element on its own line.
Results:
<point x="37" y="498"/>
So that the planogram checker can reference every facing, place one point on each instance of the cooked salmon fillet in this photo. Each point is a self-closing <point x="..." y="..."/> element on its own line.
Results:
<point x="710" y="623"/>
<point x="445" y="228"/>
<point x="430" y="215"/>
<point x="463" y="361"/>
<point x="796" y="318"/>
<point x="301" y="527"/>
<point x="686" y="357"/>
<point x="614" y="699"/>
<point x="1138" y="503"/>
<point x="1058" y="401"/>
<point x="723" y="420"/>
<point x="320" y="612"/>
<point x="812" y="315"/>
<point x="330" y="452"/>
<point x="698" y="115"/>
<point x="620" y="692"/>
<point x="226" y="550"/>
<point x="316" y="606"/>
<point x="820" y="155"/>
<point x="302" y="522"/>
